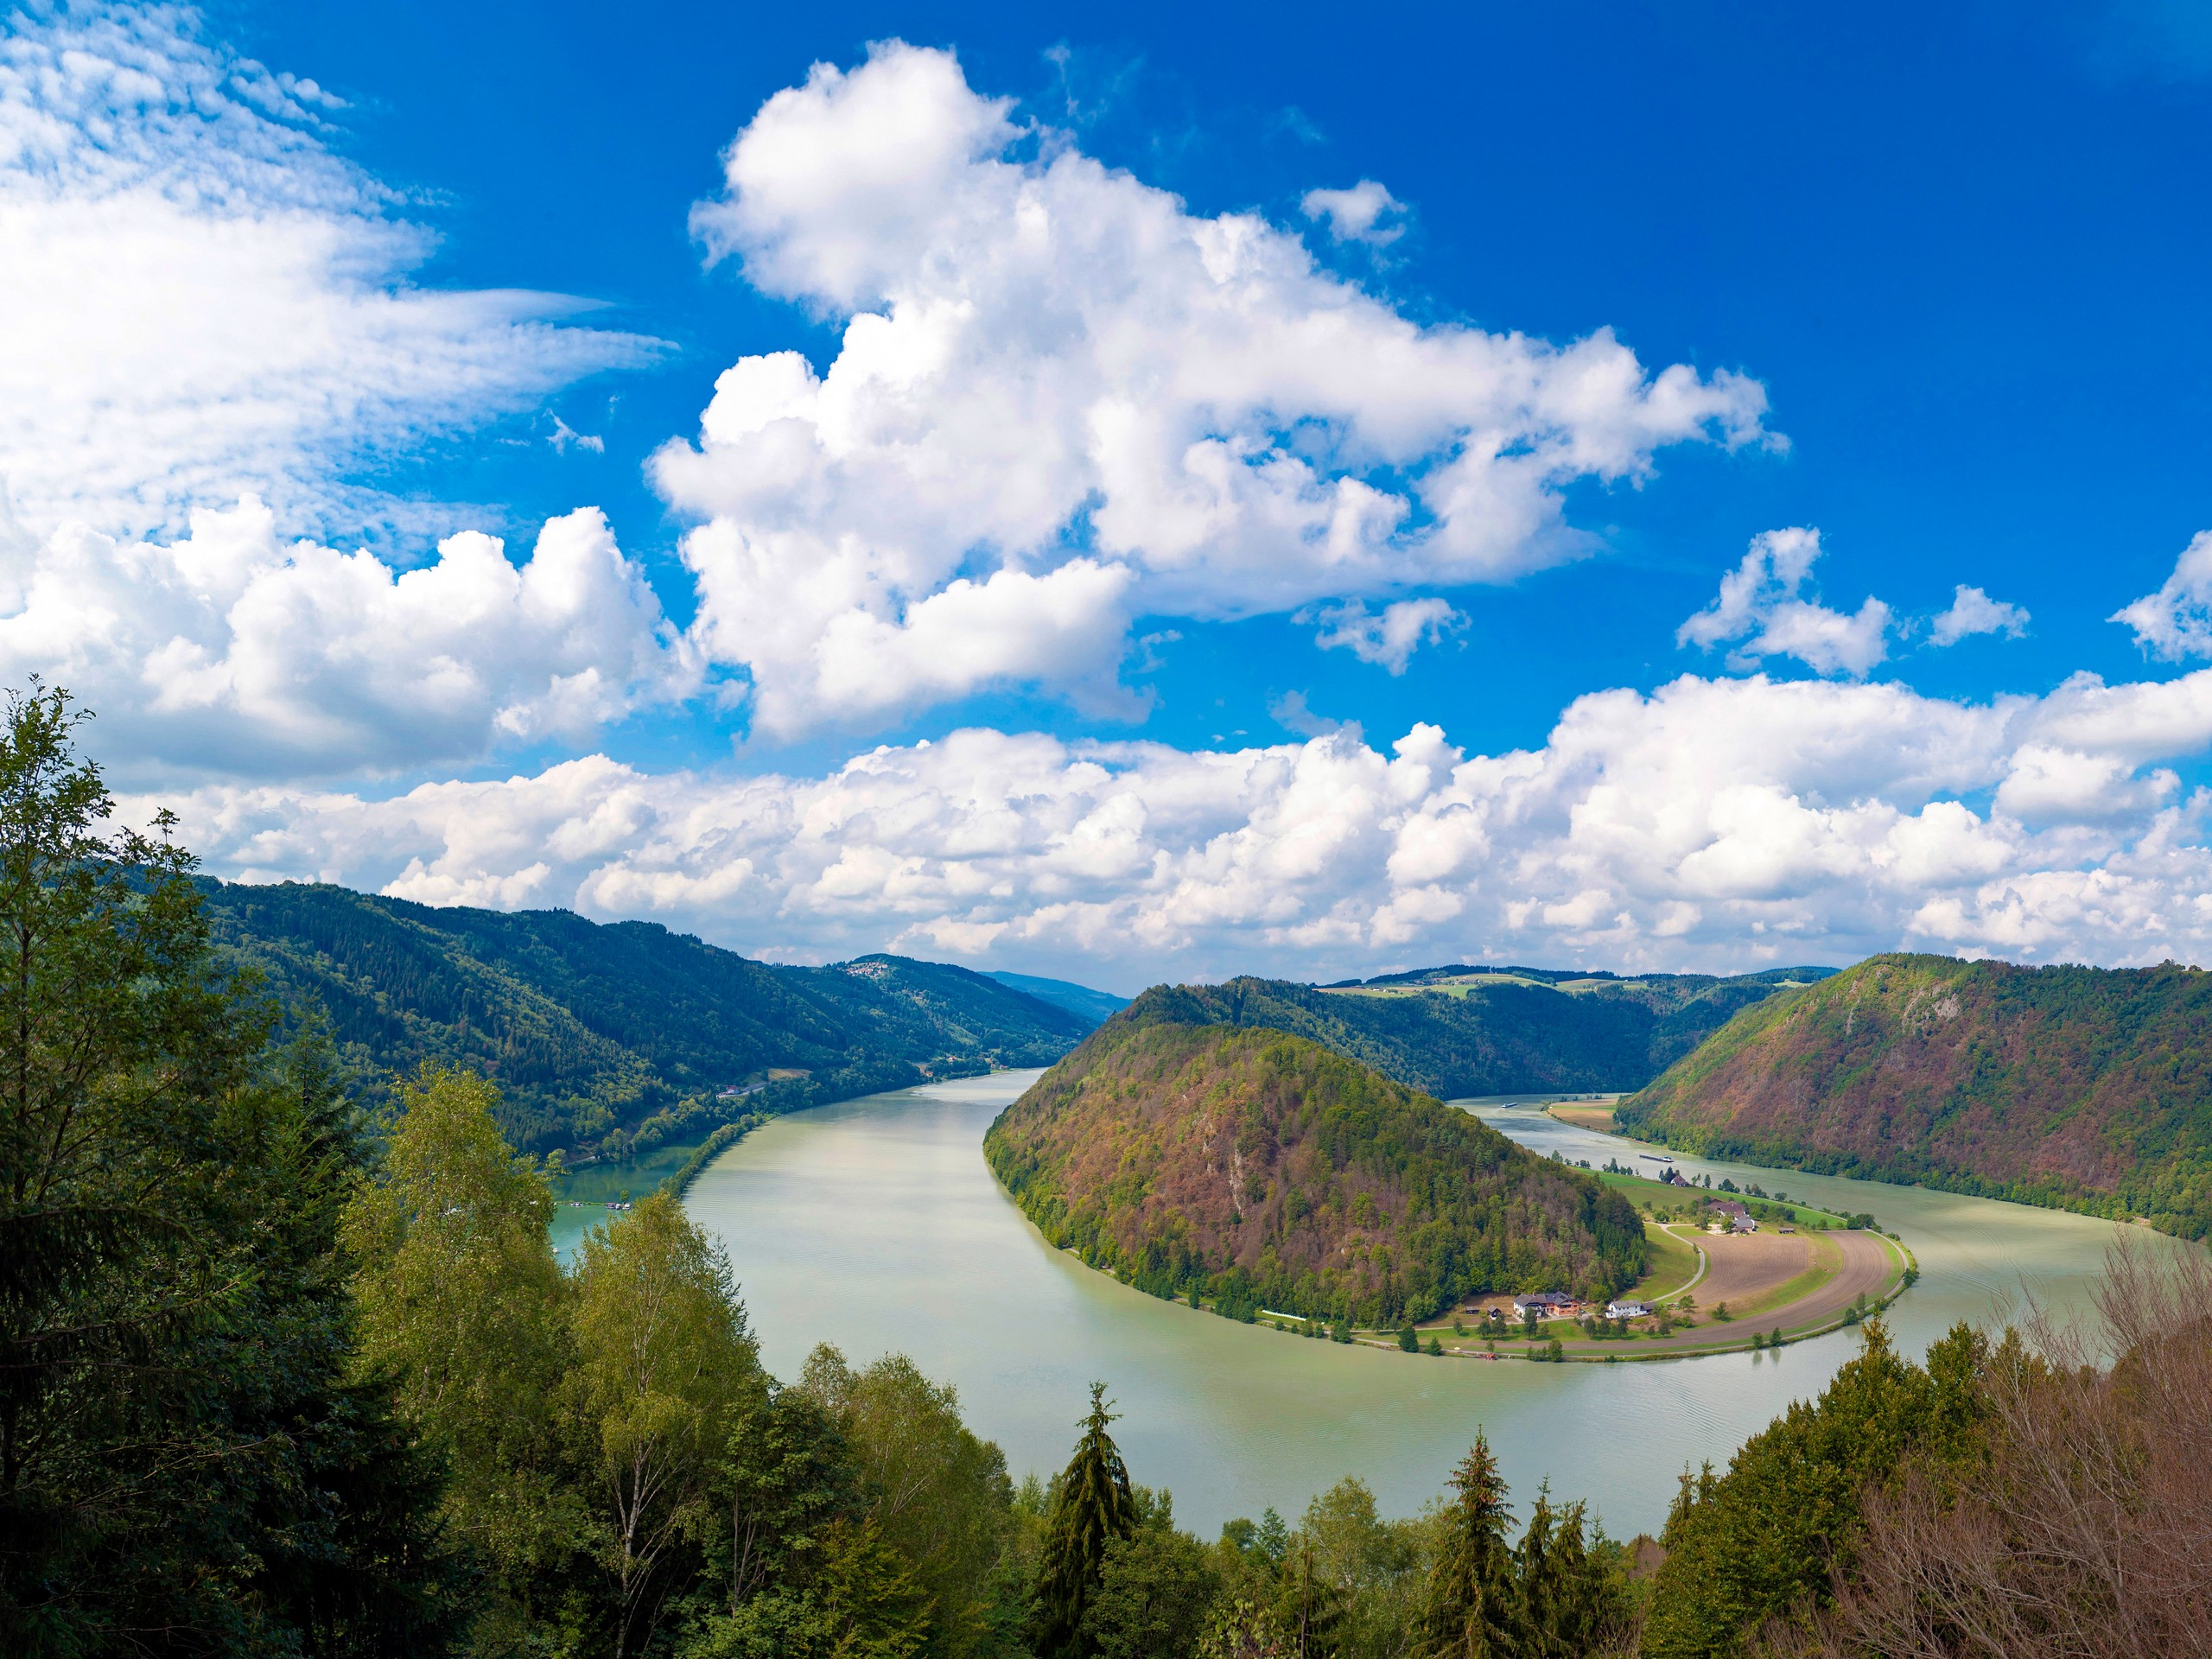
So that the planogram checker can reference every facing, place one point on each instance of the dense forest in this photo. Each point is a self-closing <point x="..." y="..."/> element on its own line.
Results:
<point x="2088" y="1088"/>
<point x="608" y="1039"/>
<point x="290" y="1370"/>
<point x="1249" y="1167"/>
<point x="1456" y="1032"/>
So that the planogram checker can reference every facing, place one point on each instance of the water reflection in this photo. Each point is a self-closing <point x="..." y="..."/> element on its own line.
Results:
<point x="875" y="1226"/>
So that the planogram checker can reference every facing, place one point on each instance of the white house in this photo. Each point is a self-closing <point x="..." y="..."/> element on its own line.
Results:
<point x="1627" y="1310"/>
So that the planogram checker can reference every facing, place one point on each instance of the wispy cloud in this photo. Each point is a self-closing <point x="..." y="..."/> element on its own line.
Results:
<point x="199" y="298"/>
<point x="1365" y="212"/>
<point x="2177" y="621"/>
<point x="1974" y="612"/>
<point x="1762" y="610"/>
<point x="1389" y="638"/>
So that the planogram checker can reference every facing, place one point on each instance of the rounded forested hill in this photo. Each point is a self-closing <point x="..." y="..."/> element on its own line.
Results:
<point x="1260" y="1169"/>
<point x="2083" y="1088"/>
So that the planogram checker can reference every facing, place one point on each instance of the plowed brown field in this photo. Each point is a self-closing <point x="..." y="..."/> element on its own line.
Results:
<point x="1743" y="1269"/>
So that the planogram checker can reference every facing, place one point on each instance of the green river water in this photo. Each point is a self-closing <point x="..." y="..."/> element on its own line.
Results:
<point x="875" y="1226"/>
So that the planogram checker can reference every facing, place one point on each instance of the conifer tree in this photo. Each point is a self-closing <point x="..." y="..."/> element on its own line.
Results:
<point x="1470" y="1611"/>
<point x="1092" y="1506"/>
<point x="1564" y="1603"/>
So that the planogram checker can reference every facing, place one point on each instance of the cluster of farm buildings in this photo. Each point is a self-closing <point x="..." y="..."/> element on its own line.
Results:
<point x="1559" y="1305"/>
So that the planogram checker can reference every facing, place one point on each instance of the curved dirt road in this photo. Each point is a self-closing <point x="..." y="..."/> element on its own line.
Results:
<point x="1869" y="1262"/>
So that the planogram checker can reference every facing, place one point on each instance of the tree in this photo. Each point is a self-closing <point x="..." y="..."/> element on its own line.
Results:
<point x="1566" y="1601"/>
<point x="935" y="1491"/>
<point x="662" y="1361"/>
<point x="1092" y="1505"/>
<point x="1766" y="1535"/>
<point x="872" y="1606"/>
<point x="787" y="1476"/>
<point x="464" y="1307"/>
<point x="1470" y="1609"/>
<point x="181" y="1452"/>
<point x="1155" y="1590"/>
<point x="1365" y="1590"/>
<point x="1242" y="1630"/>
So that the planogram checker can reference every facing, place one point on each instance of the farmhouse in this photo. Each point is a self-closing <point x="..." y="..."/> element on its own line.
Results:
<point x="1545" y="1303"/>
<point x="1627" y="1310"/>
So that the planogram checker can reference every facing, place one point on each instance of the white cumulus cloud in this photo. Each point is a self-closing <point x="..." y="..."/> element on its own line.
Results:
<point x="1387" y="638"/>
<point x="2177" y="621"/>
<point x="1972" y="611"/>
<point x="198" y="298"/>
<point x="1718" y="823"/>
<point x="1048" y="364"/>
<point x="1762" y="611"/>
<point x="233" y="651"/>
<point x="1365" y="212"/>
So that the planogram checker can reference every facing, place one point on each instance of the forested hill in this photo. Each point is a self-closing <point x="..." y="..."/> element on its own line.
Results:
<point x="1457" y="1031"/>
<point x="2083" y="1088"/>
<point x="607" y="1036"/>
<point x="1260" y="1169"/>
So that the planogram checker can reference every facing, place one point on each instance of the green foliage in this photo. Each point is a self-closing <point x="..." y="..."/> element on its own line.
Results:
<point x="861" y="1600"/>
<point x="1156" y="1588"/>
<point x="1092" y="1508"/>
<point x="1763" y="1538"/>
<point x="460" y="1303"/>
<point x="1566" y="1597"/>
<point x="606" y="1041"/>
<point x="2085" y="1089"/>
<point x="663" y="1363"/>
<point x="182" y="1449"/>
<point x="930" y="1487"/>
<point x="1354" y="1582"/>
<point x="1354" y="1196"/>
<point x="1470" y="1607"/>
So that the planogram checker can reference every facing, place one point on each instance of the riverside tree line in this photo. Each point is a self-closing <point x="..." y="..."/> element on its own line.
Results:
<point x="276" y="1379"/>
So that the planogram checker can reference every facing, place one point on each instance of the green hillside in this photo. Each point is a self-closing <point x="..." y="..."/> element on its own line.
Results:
<point x="607" y="1038"/>
<point x="2083" y="1088"/>
<point x="1259" y="1169"/>
<point x="1455" y="1032"/>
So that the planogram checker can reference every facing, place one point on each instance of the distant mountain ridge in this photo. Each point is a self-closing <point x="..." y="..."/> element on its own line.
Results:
<point x="1259" y="1169"/>
<point x="1457" y="1031"/>
<point x="2081" y="1087"/>
<point x="1083" y="1000"/>
<point x="608" y="1036"/>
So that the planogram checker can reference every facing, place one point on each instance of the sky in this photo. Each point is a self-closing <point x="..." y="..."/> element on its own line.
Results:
<point x="1131" y="493"/>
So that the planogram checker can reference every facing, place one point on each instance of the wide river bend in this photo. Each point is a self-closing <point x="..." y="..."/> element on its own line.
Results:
<point x="875" y="1226"/>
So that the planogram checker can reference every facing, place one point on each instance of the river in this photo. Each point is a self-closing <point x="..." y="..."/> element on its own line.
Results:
<point x="875" y="1226"/>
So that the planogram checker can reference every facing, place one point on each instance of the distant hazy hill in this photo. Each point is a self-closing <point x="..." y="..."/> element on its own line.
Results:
<point x="1092" y="1007"/>
<point x="2085" y="1088"/>
<point x="1460" y="1031"/>
<point x="627" y="1029"/>
<point x="1263" y="1169"/>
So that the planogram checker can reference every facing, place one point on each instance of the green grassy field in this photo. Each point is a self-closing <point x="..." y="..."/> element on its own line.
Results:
<point x="1665" y="1196"/>
<point x="1673" y="1264"/>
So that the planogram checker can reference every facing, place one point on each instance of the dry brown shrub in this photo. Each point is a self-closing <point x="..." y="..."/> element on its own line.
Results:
<point x="2086" y="1530"/>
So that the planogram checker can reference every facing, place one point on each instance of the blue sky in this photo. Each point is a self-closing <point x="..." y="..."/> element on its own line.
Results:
<point x="1929" y="284"/>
